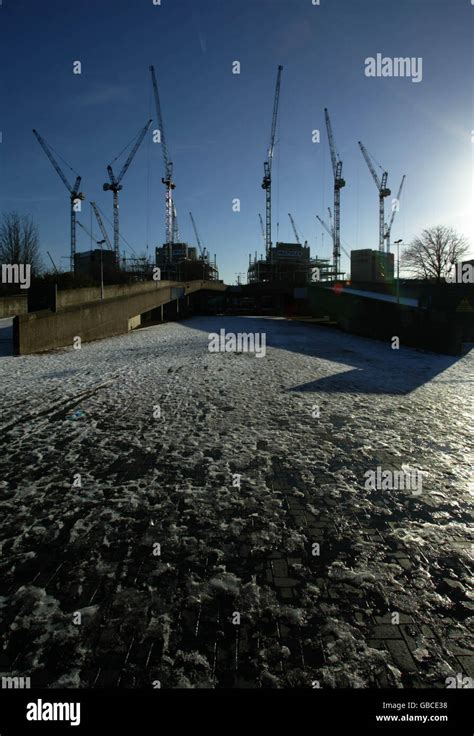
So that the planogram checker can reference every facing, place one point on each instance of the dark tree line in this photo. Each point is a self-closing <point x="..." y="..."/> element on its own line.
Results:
<point x="19" y="241"/>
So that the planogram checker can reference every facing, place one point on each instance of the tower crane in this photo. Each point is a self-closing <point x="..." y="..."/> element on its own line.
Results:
<point x="388" y="228"/>
<point x="339" y="183"/>
<point x="294" y="229"/>
<point x="91" y="235"/>
<point x="115" y="186"/>
<point x="262" y="227"/>
<point x="167" y="179"/>
<point x="101" y="225"/>
<point x="73" y="189"/>
<point x="381" y="184"/>
<point x="175" y="225"/>
<point x="202" y="250"/>
<point x="330" y="231"/>
<point x="51" y="259"/>
<point x="267" y="166"/>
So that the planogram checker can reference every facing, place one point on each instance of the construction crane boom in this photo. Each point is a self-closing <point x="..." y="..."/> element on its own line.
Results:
<point x="274" y="118"/>
<point x="388" y="230"/>
<point x="115" y="186"/>
<point x="167" y="179"/>
<point x="51" y="259"/>
<point x="335" y="160"/>
<point x="73" y="189"/>
<point x="159" y="115"/>
<point x="267" y="166"/>
<point x="381" y="184"/>
<point x="88" y="232"/>
<point x="339" y="183"/>
<point x="55" y="164"/>
<point x="294" y="229"/>
<point x="369" y="163"/>
<point x="330" y="231"/>
<point x="116" y="180"/>
<point x="201" y="249"/>
<point x="101" y="225"/>
<point x="262" y="228"/>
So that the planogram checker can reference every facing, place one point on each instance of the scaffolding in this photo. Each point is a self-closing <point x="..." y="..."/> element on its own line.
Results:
<point x="290" y="263"/>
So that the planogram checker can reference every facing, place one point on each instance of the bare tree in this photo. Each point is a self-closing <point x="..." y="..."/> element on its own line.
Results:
<point x="433" y="255"/>
<point x="19" y="241"/>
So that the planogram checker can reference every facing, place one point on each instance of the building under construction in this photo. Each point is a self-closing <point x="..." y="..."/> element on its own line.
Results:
<point x="180" y="262"/>
<point x="290" y="263"/>
<point x="371" y="266"/>
<point x="96" y="264"/>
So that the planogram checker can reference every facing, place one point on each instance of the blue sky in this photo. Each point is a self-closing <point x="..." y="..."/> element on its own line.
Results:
<point x="218" y="124"/>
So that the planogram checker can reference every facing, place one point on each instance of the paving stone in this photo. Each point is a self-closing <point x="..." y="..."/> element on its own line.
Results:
<point x="401" y="655"/>
<point x="411" y="636"/>
<point x="453" y="633"/>
<point x="280" y="568"/>
<point x="385" y="631"/>
<point x="387" y="618"/>
<point x="459" y="651"/>
<point x="467" y="664"/>
<point x="286" y="582"/>
<point x="185" y="501"/>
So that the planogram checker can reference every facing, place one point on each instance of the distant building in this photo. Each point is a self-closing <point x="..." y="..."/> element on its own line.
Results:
<point x="178" y="252"/>
<point x="284" y="252"/>
<point x="180" y="262"/>
<point x="88" y="263"/>
<point x="371" y="265"/>
<point x="288" y="262"/>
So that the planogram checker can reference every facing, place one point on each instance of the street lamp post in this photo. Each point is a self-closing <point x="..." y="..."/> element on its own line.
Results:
<point x="101" y="243"/>
<point x="397" y="243"/>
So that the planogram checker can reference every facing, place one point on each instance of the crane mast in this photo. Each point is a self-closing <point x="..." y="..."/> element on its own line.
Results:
<point x="175" y="225"/>
<point x="73" y="189"/>
<point x="267" y="167"/>
<point x="115" y="186"/>
<point x="381" y="184"/>
<point x="388" y="231"/>
<point x="167" y="179"/>
<point x="339" y="183"/>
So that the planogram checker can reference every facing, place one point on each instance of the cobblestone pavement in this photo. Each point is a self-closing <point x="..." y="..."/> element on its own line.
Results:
<point x="198" y="519"/>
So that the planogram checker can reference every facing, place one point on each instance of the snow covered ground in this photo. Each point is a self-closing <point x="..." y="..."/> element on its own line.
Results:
<point x="131" y="556"/>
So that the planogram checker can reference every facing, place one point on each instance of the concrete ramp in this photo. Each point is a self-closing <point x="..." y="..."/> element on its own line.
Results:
<point x="46" y="330"/>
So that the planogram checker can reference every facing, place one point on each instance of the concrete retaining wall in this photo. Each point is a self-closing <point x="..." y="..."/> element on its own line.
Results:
<point x="73" y="297"/>
<point x="46" y="330"/>
<point x="10" y="306"/>
<point x="439" y="330"/>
